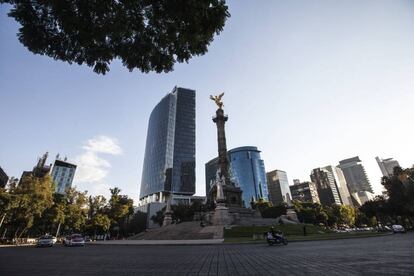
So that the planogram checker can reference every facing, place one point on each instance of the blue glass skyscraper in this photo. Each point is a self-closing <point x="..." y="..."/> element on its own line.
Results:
<point x="169" y="161"/>
<point x="247" y="171"/>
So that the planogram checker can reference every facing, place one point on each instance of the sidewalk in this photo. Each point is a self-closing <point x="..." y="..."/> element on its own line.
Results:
<point x="157" y="242"/>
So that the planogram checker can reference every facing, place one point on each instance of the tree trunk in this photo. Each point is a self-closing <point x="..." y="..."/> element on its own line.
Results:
<point x="21" y="233"/>
<point x="57" y="231"/>
<point x="15" y="233"/>
<point x="2" y="219"/>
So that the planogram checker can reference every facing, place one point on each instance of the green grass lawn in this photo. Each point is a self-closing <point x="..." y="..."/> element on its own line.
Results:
<point x="292" y="232"/>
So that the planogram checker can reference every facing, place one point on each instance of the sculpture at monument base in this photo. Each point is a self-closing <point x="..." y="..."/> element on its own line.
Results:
<point x="290" y="212"/>
<point x="168" y="213"/>
<point x="221" y="214"/>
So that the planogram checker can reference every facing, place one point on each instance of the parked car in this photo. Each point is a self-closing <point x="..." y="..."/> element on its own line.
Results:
<point x="398" y="228"/>
<point x="74" y="240"/>
<point x="45" y="241"/>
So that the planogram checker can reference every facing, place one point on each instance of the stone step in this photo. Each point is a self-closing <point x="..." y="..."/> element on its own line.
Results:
<point x="181" y="231"/>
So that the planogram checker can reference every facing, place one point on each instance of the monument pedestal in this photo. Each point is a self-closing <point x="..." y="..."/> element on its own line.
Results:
<point x="168" y="214"/>
<point x="221" y="215"/>
<point x="167" y="219"/>
<point x="291" y="215"/>
<point x="232" y="195"/>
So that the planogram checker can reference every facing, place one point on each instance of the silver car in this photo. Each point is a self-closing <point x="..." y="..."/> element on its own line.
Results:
<point x="396" y="228"/>
<point x="45" y="241"/>
<point x="74" y="240"/>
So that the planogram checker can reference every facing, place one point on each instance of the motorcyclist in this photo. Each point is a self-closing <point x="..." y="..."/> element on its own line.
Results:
<point x="272" y="231"/>
<point x="274" y="236"/>
<point x="279" y="234"/>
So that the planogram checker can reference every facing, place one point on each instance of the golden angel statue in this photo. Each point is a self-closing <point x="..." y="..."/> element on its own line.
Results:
<point x="217" y="100"/>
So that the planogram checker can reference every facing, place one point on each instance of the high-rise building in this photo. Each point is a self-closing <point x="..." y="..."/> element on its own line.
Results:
<point x="169" y="161"/>
<point x="362" y="197"/>
<point x="40" y="170"/>
<point x="387" y="165"/>
<point x="63" y="173"/>
<point x="3" y="178"/>
<point x="211" y="168"/>
<point x="304" y="191"/>
<point x="355" y="175"/>
<point x="341" y="185"/>
<point x="278" y="187"/>
<point x="326" y="186"/>
<point x="247" y="171"/>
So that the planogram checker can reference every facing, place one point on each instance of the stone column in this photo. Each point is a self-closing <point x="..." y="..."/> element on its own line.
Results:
<point x="223" y="161"/>
<point x="232" y="193"/>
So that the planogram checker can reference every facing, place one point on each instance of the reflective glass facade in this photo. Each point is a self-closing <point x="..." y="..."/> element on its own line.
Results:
<point x="355" y="175"/>
<point x="211" y="168"/>
<point x="387" y="166"/>
<point x="279" y="190"/>
<point x="63" y="174"/>
<point x="246" y="170"/>
<point x="169" y="161"/>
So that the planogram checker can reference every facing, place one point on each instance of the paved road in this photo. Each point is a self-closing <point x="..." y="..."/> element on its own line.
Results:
<point x="387" y="255"/>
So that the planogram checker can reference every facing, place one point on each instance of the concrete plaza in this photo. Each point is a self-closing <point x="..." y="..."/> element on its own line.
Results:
<point x="385" y="255"/>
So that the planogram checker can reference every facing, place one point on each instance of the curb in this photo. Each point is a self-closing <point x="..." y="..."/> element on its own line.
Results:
<point x="160" y="242"/>
<point x="16" y="245"/>
<point x="217" y="241"/>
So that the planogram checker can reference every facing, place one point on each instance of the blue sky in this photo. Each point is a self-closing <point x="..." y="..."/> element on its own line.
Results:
<point x="307" y="82"/>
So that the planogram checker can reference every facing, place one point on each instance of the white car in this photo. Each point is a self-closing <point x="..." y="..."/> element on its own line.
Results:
<point x="396" y="228"/>
<point x="74" y="240"/>
<point x="45" y="241"/>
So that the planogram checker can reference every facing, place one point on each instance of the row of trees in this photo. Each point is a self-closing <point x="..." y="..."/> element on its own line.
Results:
<point x="312" y="213"/>
<point x="398" y="206"/>
<point x="32" y="208"/>
<point x="334" y="215"/>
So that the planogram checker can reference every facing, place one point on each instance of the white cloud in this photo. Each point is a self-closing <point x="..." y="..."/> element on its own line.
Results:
<point x="91" y="168"/>
<point x="103" y="144"/>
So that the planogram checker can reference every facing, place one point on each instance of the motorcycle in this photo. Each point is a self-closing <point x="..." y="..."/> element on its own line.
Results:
<point x="276" y="239"/>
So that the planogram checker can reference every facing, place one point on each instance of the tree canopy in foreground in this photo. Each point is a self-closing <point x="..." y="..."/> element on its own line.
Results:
<point x="149" y="35"/>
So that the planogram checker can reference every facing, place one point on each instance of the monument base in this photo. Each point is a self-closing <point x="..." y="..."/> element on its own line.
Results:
<point x="291" y="214"/>
<point x="167" y="219"/>
<point x="221" y="215"/>
<point x="232" y="195"/>
<point x="289" y="218"/>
